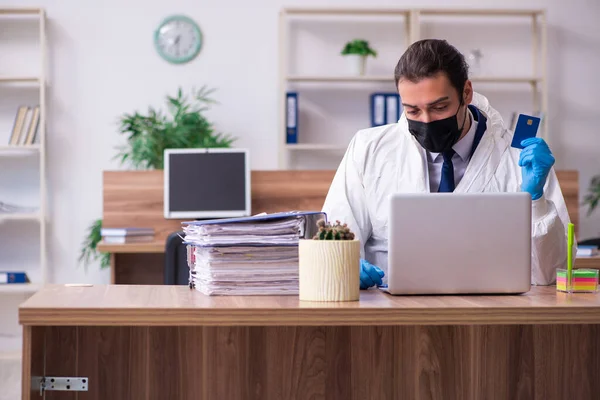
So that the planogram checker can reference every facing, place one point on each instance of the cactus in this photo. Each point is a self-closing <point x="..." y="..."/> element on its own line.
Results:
<point x="333" y="232"/>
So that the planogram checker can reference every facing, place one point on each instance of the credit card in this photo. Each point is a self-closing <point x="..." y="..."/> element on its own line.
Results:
<point x="527" y="127"/>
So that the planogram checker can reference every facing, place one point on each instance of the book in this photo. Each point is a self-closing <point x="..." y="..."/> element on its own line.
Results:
<point x="33" y="127"/>
<point x="128" y="239"/>
<point x="127" y="231"/>
<point x="18" y="125"/>
<point x="587" y="251"/>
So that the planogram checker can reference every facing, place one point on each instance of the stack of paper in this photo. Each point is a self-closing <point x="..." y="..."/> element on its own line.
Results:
<point x="249" y="256"/>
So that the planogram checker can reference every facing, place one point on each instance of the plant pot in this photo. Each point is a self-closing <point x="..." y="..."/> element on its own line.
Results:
<point x="329" y="270"/>
<point x="356" y="64"/>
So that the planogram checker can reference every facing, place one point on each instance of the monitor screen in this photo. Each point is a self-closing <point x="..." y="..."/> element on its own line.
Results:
<point x="207" y="183"/>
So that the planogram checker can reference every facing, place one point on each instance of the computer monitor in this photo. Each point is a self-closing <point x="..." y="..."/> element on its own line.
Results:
<point x="206" y="183"/>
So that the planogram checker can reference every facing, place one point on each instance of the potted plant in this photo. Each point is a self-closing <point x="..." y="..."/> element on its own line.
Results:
<point x="185" y="126"/>
<point x="149" y="135"/>
<point x="329" y="264"/>
<point x="356" y="52"/>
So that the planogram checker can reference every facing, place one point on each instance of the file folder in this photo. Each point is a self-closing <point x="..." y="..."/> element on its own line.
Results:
<point x="291" y="117"/>
<point x="392" y="108"/>
<point x="378" y="109"/>
<point x="13" y="277"/>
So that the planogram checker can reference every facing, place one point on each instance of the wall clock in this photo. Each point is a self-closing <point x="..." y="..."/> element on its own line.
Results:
<point x="178" y="39"/>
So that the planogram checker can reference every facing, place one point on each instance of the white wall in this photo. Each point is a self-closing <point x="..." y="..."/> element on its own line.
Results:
<point x="102" y="64"/>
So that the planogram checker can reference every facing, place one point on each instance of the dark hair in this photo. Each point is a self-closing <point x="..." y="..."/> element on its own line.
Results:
<point x="425" y="58"/>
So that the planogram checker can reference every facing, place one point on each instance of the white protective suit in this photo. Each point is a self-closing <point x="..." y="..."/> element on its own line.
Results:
<point x="386" y="159"/>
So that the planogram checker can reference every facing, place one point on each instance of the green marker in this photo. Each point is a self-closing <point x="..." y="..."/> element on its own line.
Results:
<point x="570" y="240"/>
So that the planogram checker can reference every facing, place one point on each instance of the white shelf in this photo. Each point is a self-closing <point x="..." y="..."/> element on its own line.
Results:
<point x="340" y="79"/>
<point x="20" y="11"/>
<point x="19" y="149"/>
<point x="315" y="146"/>
<point x="346" y="11"/>
<point x="387" y="79"/>
<point x="19" y="216"/>
<point x="482" y="12"/>
<point x="19" y="79"/>
<point x="505" y="79"/>
<point x="293" y="78"/>
<point x="19" y="287"/>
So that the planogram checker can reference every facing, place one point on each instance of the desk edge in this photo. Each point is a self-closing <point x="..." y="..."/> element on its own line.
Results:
<point x="308" y="316"/>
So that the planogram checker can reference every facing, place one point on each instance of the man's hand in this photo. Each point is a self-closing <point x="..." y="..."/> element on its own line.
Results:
<point x="535" y="161"/>
<point x="370" y="275"/>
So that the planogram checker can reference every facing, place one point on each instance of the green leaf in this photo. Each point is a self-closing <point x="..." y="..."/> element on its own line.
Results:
<point x="186" y="126"/>
<point x="592" y="198"/>
<point x="359" y="47"/>
<point x="89" y="252"/>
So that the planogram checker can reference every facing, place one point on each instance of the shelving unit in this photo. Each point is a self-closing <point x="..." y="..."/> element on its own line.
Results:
<point x="13" y="86"/>
<point x="38" y="149"/>
<point x="413" y="21"/>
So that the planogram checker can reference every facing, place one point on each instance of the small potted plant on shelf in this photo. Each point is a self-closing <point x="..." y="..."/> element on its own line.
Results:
<point x="356" y="52"/>
<point x="329" y="264"/>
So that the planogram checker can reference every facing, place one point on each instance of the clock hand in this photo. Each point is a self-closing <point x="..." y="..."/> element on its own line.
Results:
<point x="177" y="43"/>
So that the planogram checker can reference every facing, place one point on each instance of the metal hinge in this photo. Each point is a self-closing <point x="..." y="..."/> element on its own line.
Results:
<point x="48" y="383"/>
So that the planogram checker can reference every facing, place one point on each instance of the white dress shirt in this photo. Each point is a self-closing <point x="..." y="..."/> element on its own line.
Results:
<point x="460" y="160"/>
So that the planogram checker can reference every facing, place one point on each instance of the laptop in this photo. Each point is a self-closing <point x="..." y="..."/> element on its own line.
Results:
<point x="453" y="243"/>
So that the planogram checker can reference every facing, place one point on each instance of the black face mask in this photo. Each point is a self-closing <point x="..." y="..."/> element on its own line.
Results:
<point x="437" y="136"/>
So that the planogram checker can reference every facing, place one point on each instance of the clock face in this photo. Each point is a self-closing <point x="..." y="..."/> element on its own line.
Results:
<point x="178" y="39"/>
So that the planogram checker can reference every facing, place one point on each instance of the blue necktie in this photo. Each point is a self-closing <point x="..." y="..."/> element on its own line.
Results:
<point x="447" y="180"/>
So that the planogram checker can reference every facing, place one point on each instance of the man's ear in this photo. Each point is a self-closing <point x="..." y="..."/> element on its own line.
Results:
<point x="468" y="92"/>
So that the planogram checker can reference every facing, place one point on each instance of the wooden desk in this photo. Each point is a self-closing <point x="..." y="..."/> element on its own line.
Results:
<point x="171" y="342"/>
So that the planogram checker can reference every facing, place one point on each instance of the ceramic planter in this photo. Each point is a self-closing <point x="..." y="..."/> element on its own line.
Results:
<point x="356" y="64"/>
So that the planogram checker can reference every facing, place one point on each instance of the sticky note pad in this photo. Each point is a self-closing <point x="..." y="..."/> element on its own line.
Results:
<point x="582" y="280"/>
<point x="527" y="127"/>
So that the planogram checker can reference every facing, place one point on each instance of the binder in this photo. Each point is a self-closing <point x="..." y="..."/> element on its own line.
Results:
<point x="291" y="117"/>
<point x="378" y="109"/>
<point x="392" y="108"/>
<point x="257" y="218"/>
<point x="310" y="220"/>
<point x="13" y="277"/>
<point x="385" y="108"/>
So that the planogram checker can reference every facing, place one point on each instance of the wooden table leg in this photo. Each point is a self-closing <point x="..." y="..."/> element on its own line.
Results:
<point x="26" y="364"/>
<point x="33" y="359"/>
<point x="113" y="266"/>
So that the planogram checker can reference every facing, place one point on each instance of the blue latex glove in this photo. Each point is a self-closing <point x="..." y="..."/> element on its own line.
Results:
<point x="370" y="275"/>
<point x="535" y="161"/>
